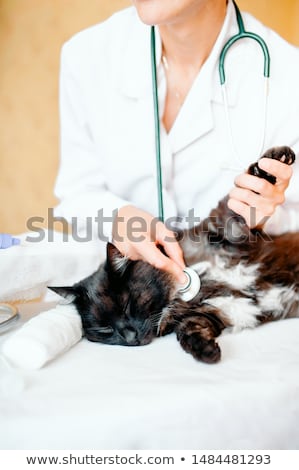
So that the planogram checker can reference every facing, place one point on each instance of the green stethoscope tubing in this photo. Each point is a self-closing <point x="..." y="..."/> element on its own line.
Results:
<point x="157" y="126"/>
<point x="242" y="34"/>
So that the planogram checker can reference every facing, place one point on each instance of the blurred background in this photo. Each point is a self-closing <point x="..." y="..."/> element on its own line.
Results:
<point x="31" y="35"/>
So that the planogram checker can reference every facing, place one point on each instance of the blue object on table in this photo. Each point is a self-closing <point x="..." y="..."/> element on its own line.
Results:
<point x="6" y="241"/>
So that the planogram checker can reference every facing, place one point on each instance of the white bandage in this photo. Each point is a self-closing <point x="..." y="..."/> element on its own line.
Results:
<point x="44" y="337"/>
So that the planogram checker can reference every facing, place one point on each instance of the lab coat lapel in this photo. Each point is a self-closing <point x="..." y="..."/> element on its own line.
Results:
<point x="135" y="72"/>
<point x="136" y="84"/>
<point x="135" y="81"/>
<point x="195" y="118"/>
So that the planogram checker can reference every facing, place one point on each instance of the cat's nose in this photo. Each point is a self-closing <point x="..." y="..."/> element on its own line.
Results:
<point x="130" y="336"/>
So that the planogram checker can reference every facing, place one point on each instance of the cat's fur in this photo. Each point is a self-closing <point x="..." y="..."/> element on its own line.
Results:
<point x="247" y="279"/>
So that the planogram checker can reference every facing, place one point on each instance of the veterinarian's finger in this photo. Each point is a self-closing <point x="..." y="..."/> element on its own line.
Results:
<point x="282" y="171"/>
<point x="174" y="251"/>
<point x="252" y="215"/>
<point x="155" y="257"/>
<point x="264" y="205"/>
<point x="253" y="183"/>
<point x="166" y="238"/>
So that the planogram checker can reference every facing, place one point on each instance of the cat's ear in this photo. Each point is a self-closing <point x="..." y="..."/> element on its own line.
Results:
<point x="116" y="262"/>
<point x="68" y="293"/>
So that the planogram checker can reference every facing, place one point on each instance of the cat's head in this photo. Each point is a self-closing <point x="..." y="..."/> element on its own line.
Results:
<point x="121" y="303"/>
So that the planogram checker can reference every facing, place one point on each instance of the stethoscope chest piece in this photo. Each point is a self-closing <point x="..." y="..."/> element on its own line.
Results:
<point x="8" y="315"/>
<point x="192" y="286"/>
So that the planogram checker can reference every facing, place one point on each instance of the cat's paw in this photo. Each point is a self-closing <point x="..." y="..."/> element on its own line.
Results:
<point x="283" y="154"/>
<point x="201" y="349"/>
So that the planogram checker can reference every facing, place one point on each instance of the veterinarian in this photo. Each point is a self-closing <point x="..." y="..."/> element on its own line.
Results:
<point x="108" y="155"/>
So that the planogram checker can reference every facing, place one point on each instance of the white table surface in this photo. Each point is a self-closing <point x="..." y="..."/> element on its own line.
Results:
<point x="157" y="396"/>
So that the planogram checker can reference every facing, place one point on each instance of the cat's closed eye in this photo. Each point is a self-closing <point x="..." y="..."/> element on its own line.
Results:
<point x="106" y="330"/>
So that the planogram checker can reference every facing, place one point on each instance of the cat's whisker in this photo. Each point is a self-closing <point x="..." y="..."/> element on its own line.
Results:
<point x="164" y="314"/>
<point x="154" y="315"/>
<point x="147" y="325"/>
<point x="154" y="318"/>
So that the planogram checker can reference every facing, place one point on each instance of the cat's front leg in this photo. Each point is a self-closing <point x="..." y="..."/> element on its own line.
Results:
<point x="196" y="328"/>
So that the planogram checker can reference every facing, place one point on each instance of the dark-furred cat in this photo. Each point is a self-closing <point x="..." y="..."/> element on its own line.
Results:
<point x="247" y="278"/>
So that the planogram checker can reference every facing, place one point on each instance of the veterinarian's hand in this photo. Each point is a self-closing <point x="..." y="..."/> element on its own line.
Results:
<point x="137" y="234"/>
<point x="255" y="198"/>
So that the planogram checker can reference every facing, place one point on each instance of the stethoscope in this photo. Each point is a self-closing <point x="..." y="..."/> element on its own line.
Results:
<point x="242" y="34"/>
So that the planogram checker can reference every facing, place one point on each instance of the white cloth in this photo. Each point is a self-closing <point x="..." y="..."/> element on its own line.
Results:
<point x="107" y="123"/>
<point x="27" y="269"/>
<point x="44" y="337"/>
<point x="158" y="397"/>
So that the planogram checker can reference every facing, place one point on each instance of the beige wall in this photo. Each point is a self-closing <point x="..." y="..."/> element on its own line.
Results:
<point x="281" y="15"/>
<point x="31" y="34"/>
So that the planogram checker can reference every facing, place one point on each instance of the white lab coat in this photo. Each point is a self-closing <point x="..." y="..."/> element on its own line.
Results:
<point x="107" y="123"/>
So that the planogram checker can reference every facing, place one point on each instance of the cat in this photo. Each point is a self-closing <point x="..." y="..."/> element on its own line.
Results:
<point x="247" y="278"/>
